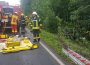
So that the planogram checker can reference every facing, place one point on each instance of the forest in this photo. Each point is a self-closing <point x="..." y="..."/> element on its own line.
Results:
<point x="64" y="18"/>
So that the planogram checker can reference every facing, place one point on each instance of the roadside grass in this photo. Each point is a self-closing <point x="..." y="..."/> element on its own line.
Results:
<point x="53" y="42"/>
<point x="77" y="48"/>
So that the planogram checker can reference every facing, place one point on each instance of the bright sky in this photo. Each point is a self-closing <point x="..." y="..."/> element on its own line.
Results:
<point x="12" y="2"/>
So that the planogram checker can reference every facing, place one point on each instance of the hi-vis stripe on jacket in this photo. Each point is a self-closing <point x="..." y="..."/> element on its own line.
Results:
<point x="35" y="24"/>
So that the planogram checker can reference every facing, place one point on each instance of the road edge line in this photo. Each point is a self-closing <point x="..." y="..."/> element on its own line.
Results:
<point x="52" y="54"/>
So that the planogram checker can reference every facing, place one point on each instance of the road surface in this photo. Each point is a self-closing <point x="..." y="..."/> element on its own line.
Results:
<point x="31" y="57"/>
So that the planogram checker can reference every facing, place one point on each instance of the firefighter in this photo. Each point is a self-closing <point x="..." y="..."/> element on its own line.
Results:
<point x="0" y="21"/>
<point x="27" y="20"/>
<point x="14" y="22"/>
<point x="22" y="24"/>
<point x="4" y="21"/>
<point x="9" y="21"/>
<point x="35" y="27"/>
<point x="9" y="18"/>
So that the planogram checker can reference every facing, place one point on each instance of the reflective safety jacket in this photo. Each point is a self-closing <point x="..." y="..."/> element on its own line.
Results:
<point x="22" y="21"/>
<point x="14" y="20"/>
<point x="27" y="20"/>
<point x="35" y="24"/>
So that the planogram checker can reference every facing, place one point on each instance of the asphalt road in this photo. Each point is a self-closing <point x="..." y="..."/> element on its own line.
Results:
<point x="31" y="57"/>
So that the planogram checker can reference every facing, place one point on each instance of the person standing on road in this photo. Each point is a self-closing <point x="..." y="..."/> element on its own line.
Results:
<point x="0" y="22"/>
<point x="27" y="20"/>
<point x="9" y="21"/>
<point x="35" y="26"/>
<point x="4" y="21"/>
<point x="22" y="23"/>
<point x="14" y="22"/>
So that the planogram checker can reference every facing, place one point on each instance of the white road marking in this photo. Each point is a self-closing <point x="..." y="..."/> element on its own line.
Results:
<point x="53" y="55"/>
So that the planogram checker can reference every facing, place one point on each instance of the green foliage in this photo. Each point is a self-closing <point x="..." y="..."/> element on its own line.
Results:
<point x="51" y="40"/>
<point x="26" y="6"/>
<point x="55" y="43"/>
<point x="70" y="18"/>
<point x="80" y="15"/>
<point x="46" y="14"/>
<point x="60" y="7"/>
<point x="52" y="25"/>
<point x="75" y="15"/>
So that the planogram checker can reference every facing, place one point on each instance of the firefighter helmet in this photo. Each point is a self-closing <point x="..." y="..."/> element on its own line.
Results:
<point x="34" y="13"/>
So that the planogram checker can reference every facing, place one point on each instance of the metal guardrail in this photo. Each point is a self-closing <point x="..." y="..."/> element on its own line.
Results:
<point x="75" y="57"/>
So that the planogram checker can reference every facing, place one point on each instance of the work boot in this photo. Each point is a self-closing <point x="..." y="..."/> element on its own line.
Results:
<point x="38" y="39"/>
